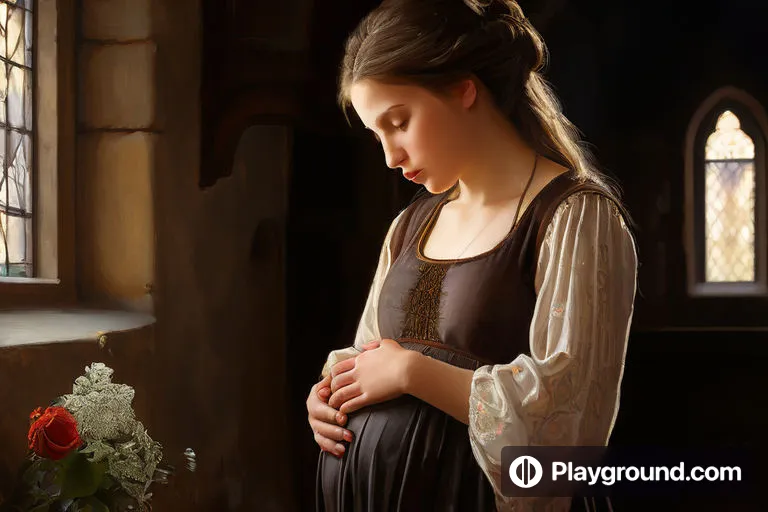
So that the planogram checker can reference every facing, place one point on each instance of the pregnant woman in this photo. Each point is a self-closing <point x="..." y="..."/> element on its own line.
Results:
<point x="500" y="309"/>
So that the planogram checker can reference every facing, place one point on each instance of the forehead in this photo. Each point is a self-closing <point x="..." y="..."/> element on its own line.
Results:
<point x="370" y="98"/>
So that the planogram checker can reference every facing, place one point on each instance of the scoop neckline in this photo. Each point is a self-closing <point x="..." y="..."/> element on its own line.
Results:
<point x="427" y="229"/>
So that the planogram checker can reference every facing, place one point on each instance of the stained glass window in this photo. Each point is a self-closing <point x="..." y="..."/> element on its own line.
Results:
<point x="16" y="104"/>
<point x="730" y="187"/>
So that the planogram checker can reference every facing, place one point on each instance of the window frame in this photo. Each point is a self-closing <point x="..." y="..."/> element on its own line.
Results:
<point x="53" y="163"/>
<point x="755" y="124"/>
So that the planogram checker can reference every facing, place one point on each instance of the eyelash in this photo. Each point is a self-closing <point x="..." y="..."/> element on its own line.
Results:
<point x="402" y="127"/>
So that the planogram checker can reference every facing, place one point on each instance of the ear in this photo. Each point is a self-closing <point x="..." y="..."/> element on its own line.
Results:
<point x="467" y="92"/>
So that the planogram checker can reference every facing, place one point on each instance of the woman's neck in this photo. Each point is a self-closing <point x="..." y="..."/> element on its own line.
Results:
<point x="501" y="169"/>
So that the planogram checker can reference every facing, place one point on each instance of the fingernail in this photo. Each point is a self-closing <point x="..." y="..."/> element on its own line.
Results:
<point x="340" y="449"/>
<point x="342" y="418"/>
<point x="348" y="435"/>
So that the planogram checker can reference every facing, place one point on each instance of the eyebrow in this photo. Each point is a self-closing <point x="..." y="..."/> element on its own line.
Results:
<point x="383" y="114"/>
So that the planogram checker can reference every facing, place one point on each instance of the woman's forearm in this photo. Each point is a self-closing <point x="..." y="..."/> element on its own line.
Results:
<point x="440" y="384"/>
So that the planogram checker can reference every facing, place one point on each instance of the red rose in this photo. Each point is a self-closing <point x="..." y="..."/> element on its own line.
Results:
<point x="53" y="434"/>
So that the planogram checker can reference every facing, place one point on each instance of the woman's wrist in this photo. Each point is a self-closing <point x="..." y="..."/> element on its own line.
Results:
<point x="412" y="360"/>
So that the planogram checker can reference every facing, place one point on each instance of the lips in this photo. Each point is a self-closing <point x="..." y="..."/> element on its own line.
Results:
<point x="411" y="175"/>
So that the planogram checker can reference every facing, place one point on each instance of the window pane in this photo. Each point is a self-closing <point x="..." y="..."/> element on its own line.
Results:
<point x="16" y="193"/>
<point x="15" y="47"/>
<point x="730" y="221"/>
<point x="3" y="25"/>
<point x="14" y="234"/>
<point x="728" y="141"/>
<point x="15" y="207"/>
<point x="16" y="97"/>
<point x="28" y="99"/>
<point x="28" y="28"/>
<point x="3" y="91"/>
<point x="5" y="191"/>
<point x="19" y="171"/>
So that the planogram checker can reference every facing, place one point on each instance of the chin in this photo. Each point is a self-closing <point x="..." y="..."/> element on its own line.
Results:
<point x="437" y="188"/>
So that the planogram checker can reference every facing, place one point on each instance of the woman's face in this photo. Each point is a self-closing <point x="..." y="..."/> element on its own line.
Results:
<point x="423" y="134"/>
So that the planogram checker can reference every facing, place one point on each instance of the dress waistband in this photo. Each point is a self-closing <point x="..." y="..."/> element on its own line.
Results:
<point x="443" y="346"/>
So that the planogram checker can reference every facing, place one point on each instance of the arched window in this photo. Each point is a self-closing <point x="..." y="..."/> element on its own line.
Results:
<point x="726" y="196"/>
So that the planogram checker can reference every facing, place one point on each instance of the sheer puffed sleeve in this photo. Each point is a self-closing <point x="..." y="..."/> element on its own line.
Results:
<point x="566" y="392"/>
<point x="368" y="326"/>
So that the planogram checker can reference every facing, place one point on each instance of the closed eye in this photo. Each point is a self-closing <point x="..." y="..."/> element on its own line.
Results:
<point x="403" y="126"/>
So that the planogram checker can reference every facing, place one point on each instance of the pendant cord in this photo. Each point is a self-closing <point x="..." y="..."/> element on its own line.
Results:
<point x="517" y="210"/>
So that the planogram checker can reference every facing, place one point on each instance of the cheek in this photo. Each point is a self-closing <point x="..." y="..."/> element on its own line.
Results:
<point x="434" y="142"/>
<point x="443" y="149"/>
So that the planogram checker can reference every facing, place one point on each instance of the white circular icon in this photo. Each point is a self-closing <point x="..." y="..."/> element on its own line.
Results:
<point x="525" y="471"/>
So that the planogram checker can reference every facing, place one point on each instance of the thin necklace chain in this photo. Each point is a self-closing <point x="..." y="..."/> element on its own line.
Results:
<point x="493" y="219"/>
<point x="477" y="235"/>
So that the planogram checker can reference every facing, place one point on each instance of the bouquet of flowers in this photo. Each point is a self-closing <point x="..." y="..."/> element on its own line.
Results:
<point x="88" y="452"/>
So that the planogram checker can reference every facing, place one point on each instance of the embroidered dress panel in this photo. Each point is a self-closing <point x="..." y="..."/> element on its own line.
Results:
<point x="422" y="306"/>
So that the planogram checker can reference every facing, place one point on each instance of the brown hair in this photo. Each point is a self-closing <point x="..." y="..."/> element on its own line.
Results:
<point x="435" y="43"/>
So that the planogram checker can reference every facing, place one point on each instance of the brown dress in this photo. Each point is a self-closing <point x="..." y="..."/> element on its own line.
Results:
<point x="407" y="455"/>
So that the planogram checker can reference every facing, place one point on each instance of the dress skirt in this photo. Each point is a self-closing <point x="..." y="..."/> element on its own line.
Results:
<point x="405" y="455"/>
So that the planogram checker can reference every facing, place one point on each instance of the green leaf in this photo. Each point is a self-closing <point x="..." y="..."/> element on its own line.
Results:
<point x="37" y="470"/>
<point x="81" y="477"/>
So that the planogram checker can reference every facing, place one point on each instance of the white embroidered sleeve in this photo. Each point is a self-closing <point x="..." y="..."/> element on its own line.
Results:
<point x="566" y="392"/>
<point x="368" y="326"/>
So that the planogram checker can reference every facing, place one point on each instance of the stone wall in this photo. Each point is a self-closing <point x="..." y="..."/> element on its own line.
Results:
<point x="117" y="132"/>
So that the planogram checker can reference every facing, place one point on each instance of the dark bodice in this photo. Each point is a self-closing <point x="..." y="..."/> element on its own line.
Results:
<point x="480" y="306"/>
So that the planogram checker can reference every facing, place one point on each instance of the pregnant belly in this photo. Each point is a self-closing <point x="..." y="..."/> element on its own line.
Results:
<point x="405" y="455"/>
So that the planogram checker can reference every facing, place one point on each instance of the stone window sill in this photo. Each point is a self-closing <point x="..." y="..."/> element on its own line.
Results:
<point x="39" y="327"/>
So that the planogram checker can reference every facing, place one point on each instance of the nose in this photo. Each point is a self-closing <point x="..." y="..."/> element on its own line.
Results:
<point x="394" y="155"/>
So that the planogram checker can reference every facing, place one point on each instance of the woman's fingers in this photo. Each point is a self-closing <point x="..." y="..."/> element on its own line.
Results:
<point x="329" y="445"/>
<point x="326" y="421"/>
<point x="341" y="380"/>
<point x="328" y="435"/>
<point x="342" y="395"/>
<point x="371" y="345"/>
<point x="320" y="410"/>
<point x="343" y="366"/>
<point x="326" y="382"/>
<point x="329" y="431"/>
<point x="354" y="404"/>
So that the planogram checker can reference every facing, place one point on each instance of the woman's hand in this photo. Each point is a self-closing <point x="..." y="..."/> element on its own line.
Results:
<point x="326" y="422"/>
<point x="378" y="374"/>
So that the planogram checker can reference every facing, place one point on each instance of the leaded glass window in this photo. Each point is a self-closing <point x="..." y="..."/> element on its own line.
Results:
<point x="16" y="114"/>
<point x="729" y="185"/>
